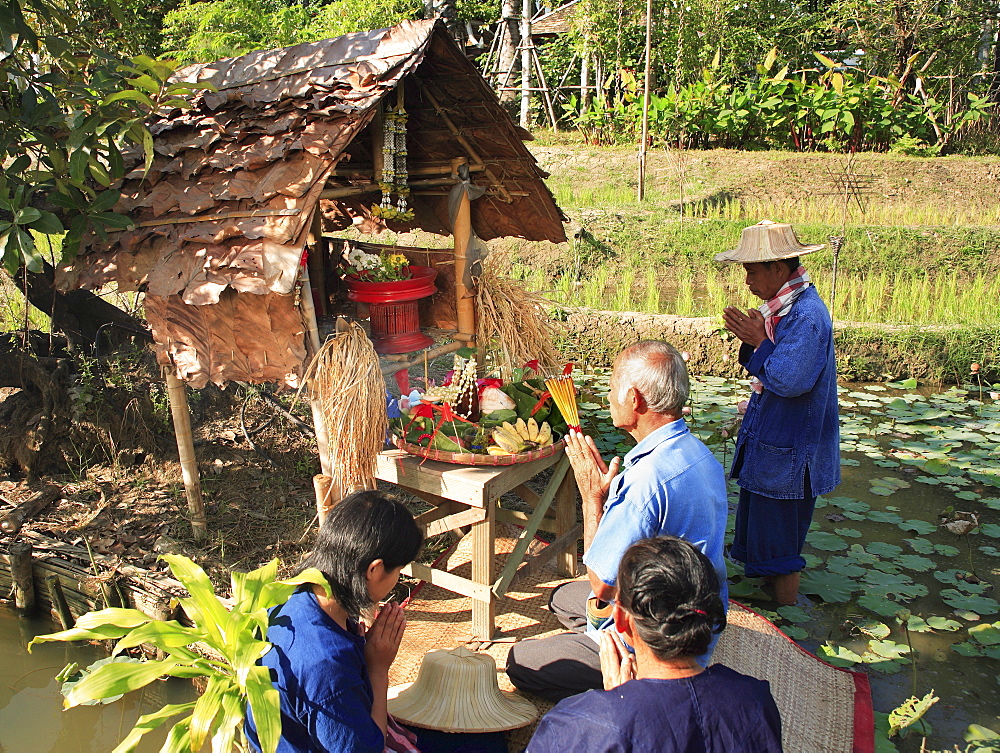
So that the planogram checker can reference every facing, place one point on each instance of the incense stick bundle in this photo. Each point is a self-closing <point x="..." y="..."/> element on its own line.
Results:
<point x="346" y="377"/>
<point x="563" y="391"/>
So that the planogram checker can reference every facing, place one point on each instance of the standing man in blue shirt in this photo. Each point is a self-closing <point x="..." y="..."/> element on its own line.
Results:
<point x="670" y="483"/>
<point x="788" y="449"/>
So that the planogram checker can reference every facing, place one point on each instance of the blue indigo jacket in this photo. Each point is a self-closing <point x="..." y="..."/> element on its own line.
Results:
<point x="791" y="430"/>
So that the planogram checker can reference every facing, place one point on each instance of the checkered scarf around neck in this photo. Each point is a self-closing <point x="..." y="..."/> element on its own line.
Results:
<point x="775" y="308"/>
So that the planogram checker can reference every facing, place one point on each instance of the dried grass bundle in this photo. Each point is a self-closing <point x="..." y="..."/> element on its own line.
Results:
<point x="346" y="379"/>
<point x="513" y="325"/>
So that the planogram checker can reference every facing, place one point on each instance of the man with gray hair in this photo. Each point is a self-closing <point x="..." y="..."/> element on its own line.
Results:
<point x="670" y="483"/>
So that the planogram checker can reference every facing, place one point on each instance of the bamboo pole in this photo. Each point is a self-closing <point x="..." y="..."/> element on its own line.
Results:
<point x="464" y="298"/>
<point x="59" y="603"/>
<point x="11" y="522"/>
<point x="327" y="494"/>
<point x="177" y="394"/>
<point x="645" y="101"/>
<point x="312" y="348"/>
<point x="22" y="576"/>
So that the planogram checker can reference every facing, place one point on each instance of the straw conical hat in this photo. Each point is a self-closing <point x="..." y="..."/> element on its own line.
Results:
<point x="457" y="691"/>
<point x="766" y="241"/>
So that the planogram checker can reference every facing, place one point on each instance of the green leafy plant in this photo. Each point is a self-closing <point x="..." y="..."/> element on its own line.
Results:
<point x="234" y="641"/>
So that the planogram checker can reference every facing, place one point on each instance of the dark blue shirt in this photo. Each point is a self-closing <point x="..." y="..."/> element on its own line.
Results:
<point x="717" y="711"/>
<point x="791" y="427"/>
<point x="319" y="671"/>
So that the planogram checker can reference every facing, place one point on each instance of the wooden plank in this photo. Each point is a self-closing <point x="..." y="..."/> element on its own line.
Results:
<point x="446" y="580"/>
<point x="517" y="555"/>
<point x="565" y="504"/>
<point x="518" y="518"/>
<point x="483" y="559"/>
<point x="456" y="521"/>
<point x="533" y="564"/>
<point x="528" y="494"/>
<point x="471" y="485"/>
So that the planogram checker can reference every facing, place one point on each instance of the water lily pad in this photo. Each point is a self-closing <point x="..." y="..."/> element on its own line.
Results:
<point x="826" y="542"/>
<point x="838" y="656"/>
<point x="965" y="649"/>
<point x="858" y="554"/>
<point x="993" y="503"/>
<point x="888" y="584"/>
<point x="943" y="623"/>
<point x="846" y="503"/>
<point x="872" y="628"/>
<point x="830" y="587"/>
<point x="964" y="614"/>
<point x="948" y="577"/>
<point x="918" y="526"/>
<point x="937" y="467"/>
<point x="946" y="550"/>
<point x="915" y="562"/>
<point x="990" y="551"/>
<point x="967" y="495"/>
<point x="880" y="605"/>
<point x="844" y="566"/>
<point x="915" y="624"/>
<point x="990" y="529"/>
<point x="920" y="546"/>
<point x="888" y="649"/>
<point x="885" y="666"/>
<point x="794" y="614"/>
<point x="882" y="549"/>
<point x="982" y="605"/>
<point x="884" y="516"/>
<point x="986" y="635"/>
<point x="851" y="533"/>
<point x="929" y="480"/>
<point x="850" y="461"/>
<point x="886" y="566"/>
<point x="795" y="632"/>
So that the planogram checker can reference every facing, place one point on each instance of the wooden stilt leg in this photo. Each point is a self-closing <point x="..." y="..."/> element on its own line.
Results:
<point x="177" y="393"/>
<point x="483" y="569"/>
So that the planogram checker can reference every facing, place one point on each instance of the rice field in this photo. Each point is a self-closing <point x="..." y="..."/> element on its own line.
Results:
<point x="686" y="288"/>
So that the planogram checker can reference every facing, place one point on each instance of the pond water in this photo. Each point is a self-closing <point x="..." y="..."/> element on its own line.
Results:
<point x="31" y="715"/>
<point x="888" y="591"/>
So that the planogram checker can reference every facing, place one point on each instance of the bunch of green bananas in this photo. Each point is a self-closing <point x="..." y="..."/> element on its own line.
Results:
<point x="522" y="436"/>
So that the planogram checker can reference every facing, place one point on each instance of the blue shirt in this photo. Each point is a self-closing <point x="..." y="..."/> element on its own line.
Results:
<point x="717" y="711"/>
<point x="670" y="483"/>
<point x="791" y="427"/>
<point x="319" y="671"/>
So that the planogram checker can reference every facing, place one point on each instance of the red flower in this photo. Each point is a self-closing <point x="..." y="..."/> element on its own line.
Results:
<point x="568" y="369"/>
<point x="533" y="365"/>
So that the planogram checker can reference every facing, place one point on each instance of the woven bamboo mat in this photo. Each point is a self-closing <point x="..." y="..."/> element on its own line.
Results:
<point x="823" y="709"/>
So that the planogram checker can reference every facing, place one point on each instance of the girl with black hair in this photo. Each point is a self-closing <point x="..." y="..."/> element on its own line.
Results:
<point x="331" y="674"/>
<point x="659" y="699"/>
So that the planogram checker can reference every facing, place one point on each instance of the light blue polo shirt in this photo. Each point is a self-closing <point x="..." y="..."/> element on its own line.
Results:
<point x="670" y="484"/>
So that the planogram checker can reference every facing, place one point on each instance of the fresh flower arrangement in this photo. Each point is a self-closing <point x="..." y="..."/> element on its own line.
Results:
<point x="486" y="416"/>
<point x="375" y="267"/>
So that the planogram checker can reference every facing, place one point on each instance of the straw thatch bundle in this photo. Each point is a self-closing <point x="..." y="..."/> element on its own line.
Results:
<point x="512" y="325"/>
<point x="346" y="380"/>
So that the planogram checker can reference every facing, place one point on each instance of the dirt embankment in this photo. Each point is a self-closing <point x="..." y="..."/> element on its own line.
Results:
<point x="865" y="352"/>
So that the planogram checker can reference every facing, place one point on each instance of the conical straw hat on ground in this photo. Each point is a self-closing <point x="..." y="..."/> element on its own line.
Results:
<point x="457" y="691"/>
<point x="766" y="241"/>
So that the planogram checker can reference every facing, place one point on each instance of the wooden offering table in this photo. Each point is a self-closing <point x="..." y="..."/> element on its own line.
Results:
<point x="466" y="495"/>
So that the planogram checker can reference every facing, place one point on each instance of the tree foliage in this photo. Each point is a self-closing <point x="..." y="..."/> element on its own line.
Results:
<point x="68" y="112"/>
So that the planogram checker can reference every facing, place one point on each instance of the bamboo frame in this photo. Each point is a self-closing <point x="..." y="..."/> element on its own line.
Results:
<point x="464" y="298"/>
<point x="469" y="150"/>
<point x="312" y="348"/>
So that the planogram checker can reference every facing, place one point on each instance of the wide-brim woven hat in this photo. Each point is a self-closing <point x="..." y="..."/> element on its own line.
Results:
<point x="767" y="241"/>
<point x="457" y="691"/>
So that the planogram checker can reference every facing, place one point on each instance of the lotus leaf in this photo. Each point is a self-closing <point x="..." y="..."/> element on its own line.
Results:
<point x="915" y="562"/>
<point x="982" y="605"/>
<point x="943" y="623"/>
<point x="838" y="656"/>
<point x="920" y="546"/>
<point x="990" y="529"/>
<point x="986" y="635"/>
<point x="946" y="550"/>
<point x="888" y="649"/>
<point x="965" y="649"/>
<point x="872" y="628"/>
<point x="851" y="533"/>
<point x="830" y="587"/>
<point x="918" y="526"/>
<point x="882" y="549"/>
<point x="844" y="566"/>
<point x="794" y="614"/>
<point x="826" y="542"/>
<point x="795" y="632"/>
<point x="880" y="605"/>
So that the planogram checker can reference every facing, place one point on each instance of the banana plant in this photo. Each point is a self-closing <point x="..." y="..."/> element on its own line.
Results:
<point x="234" y="639"/>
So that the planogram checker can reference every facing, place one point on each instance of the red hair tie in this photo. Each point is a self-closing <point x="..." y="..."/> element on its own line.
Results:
<point x="700" y="611"/>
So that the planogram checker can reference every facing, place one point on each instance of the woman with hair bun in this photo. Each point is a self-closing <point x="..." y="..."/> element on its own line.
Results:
<point x="660" y="699"/>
